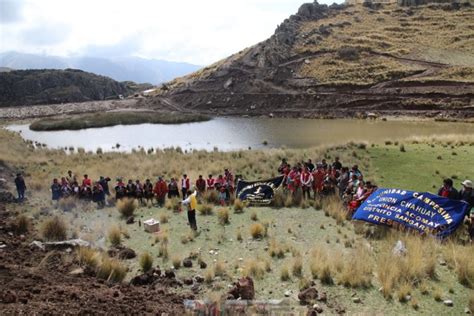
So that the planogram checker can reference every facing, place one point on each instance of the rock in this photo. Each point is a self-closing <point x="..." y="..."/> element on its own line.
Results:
<point x="9" y="297"/>
<point x="448" y="302"/>
<point x="318" y="308"/>
<point x="307" y="61"/>
<point x="77" y="271"/>
<point x="130" y="220"/>
<point x="307" y="295"/>
<point x="187" y="263"/>
<point x="356" y="300"/>
<point x="126" y="253"/>
<point x="144" y="279"/>
<point x="311" y="312"/>
<point x="442" y="262"/>
<point x="170" y="274"/>
<point x="287" y="293"/>
<point x="467" y="310"/>
<point x="399" y="249"/>
<point x="195" y="289"/>
<point x="243" y="289"/>
<point x="202" y="264"/>
<point x="188" y="281"/>
<point x="199" y="279"/>
<point x="229" y="83"/>
<point x="322" y="297"/>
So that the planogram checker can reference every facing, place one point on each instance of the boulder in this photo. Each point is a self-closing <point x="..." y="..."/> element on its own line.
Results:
<point x="307" y="295"/>
<point x="7" y="197"/>
<point x="202" y="264"/>
<point x="170" y="274"/>
<point x="130" y="220"/>
<point x="188" y="281"/>
<point x="126" y="253"/>
<point x="243" y="289"/>
<point x="187" y="263"/>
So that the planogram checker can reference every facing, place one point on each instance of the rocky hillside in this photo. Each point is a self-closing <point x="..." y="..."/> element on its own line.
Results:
<point x="29" y="87"/>
<point x="343" y="61"/>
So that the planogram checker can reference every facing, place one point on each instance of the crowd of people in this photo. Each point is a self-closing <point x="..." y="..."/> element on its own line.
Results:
<point x="144" y="192"/>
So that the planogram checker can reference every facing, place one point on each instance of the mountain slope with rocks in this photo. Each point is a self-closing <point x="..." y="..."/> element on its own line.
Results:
<point x="339" y="61"/>
<point x="30" y="87"/>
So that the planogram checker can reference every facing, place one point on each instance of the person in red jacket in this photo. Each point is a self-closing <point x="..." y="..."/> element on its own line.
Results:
<point x="160" y="190"/>
<point x="185" y="186"/>
<point x="318" y="180"/>
<point x="200" y="185"/>
<point x="306" y="182"/>
<point x="294" y="180"/>
<point x="210" y="182"/>
<point x="86" y="182"/>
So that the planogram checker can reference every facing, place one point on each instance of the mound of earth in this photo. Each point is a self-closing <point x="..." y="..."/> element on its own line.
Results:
<point x="342" y="60"/>
<point x="37" y="282"/>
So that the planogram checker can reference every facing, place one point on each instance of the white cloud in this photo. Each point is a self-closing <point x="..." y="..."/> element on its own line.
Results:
<point x="199" y="32"/>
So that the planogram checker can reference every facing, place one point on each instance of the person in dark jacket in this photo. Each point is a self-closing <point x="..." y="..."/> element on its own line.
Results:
<point x="337" y="164"/>
<point x="55" y="190"/>
<point x="466" y="194"/>
<point x="104" y="183"/>
<point x="447" y="190"/>
<point x="20" y="187"/>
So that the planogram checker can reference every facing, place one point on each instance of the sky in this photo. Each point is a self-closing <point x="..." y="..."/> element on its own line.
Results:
<point x="194" y="31"/>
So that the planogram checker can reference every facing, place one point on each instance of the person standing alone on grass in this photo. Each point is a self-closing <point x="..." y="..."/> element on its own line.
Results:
<point x="191" y="202"/>
<point x="20" y="187"/>
<point x="55" y="190"/>
<point x="185" y="186"/>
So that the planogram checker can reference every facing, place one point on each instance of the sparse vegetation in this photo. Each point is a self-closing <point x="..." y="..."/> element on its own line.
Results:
<point x="115" y="236"/>
<point x="127" y="207"/>
<point x="223" y="216"/>
<point x="22" y="224"/>
<point x="238" y="206"/>
<point x="205" y="209"/>
<point x="257" y="230"/>
<point x="146" y="261"/>
<point x="111" y="270"/>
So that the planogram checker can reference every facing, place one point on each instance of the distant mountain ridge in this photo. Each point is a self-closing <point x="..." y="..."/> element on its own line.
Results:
<point x="48" y="86"/>
<point x="118" y="68"/>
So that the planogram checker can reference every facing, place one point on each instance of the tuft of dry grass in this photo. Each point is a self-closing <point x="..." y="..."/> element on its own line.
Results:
<point x="176" y="262"/>
<point x="357" y="269"/>
<point x="172" y="204"/>
<point x="54" y="229"/>
<point x="127" y="207"/>
<point x="146" y="261"/>
<point x="255" y="268"/>
<point x="219" y="268"/>
<point x="257" y="230"/>
<point x="334" y="207"/>
<point x="324" y="264"/>
<point x="461" y="258"/>
<point x="211" y="197"/>
<point x="278" y="199"/>
<point x="297" y="267"/>
<point x="438" y="294"/>
<point x="239" y="234"/>
<point x="223" y="216"/>
<point x="21" y="224"/>
<point x="115" y="235"/>
<point x="238" y="206"/>
<point x="205" y="209"/>
<point x="254" y="216"/>
<point x="404" y="291"/>
<point x="208" y="276"/>
<point x="164" y="218"/>
<point x="67" y="204"/>
<point x="275" y="249"/>
<point x="284" y="274"/>
<point x="111" y="270"/>
<point x="88" y="257"/>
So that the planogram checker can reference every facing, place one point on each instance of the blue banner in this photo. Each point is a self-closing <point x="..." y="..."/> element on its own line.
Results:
<point x="422" y="211"/>
<point x="258" y="192"/>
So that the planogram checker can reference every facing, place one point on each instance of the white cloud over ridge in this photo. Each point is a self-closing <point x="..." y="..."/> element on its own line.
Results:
<point x="198" y="32"/>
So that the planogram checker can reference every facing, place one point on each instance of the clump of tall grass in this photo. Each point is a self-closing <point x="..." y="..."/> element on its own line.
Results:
<point x="111" y="270"/>
<point x="255" y="268"/>
<point x="146" y="261"/>
<point x="211" y="197"/>
<point x="219" y="268"/>
<point x="297" y="267"/>
<point x="88" y="257"/>
<point x="205" y="209"/>
<point x="127" y="207"/>
<point x="238" y="206"/>
<point x="176" y="262"/>
<point x="223" y="216"/>
<point x="67" y="204"/>
<point x="208" y="276"/>
<point x="115" y="235"/>
<point x="324" y="265"/>
<point x="164" y="218"/>
<point x="275" y="249"/>
<point x="254" y="216"/>
<point x="21" y="224"/>
<point x="54" y="229"/>
<point x="284" y="273"/>
<point x="173" y="204"/>
<point x="333" y="207"/>
<point x="357" y="270"/>
<point x="257" y="230"/>
<point x="460" y="258"/>
<point x="278" y="200"/>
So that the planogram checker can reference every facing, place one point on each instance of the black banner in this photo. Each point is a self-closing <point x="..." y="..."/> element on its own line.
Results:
<point x="258" y="192"/>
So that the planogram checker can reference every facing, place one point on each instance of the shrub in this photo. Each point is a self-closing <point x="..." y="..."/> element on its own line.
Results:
<point x="403" y="292"/>
<point x="297" y="268"/>
<point x="88" y="257"/>
<point x="208" y="276"/>
<point x="255" y="268"/>
<point x="115" y="236"/>
<point x="254" y="216"/>
<point x="146" y="261"/>
<point x="176" y="262"/>
<point x="238" y="206"/>
<point x="205" y="209"/>
<point x="163" y="251"/>
<point x="22" y="224"/>
<point x="402" y="148"/>
<point x="278" y="200"/>
<point x="438" y="294"/>
<point x="211" y="197"/>
<point x="219" y="268"/>
<point x="223" y="216"/>
<point x="357" y="270"/>
<point x="111" y="270"/>
<point x="348" y="53"/>
<point x="172" y="204"/>
<point x="127" y="207"/>
<point x="257" y="230"/>
<point x="284" y="274"/>
<point x="164" y="218"/>
<point x="239" y="234"/>
<point x="276" y="250"/>
<point x="54" y="229"/>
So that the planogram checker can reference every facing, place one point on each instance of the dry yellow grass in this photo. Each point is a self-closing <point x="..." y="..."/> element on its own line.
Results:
<point x="219" y="268"/>
<point x="22" y="224"/>
<point x="238" y="206"/>
<point x="357" y="269"/>
<point x="127" y="207"/>
<point x="255" y="268"/>
<point x="257" y="230"/>
<point x="176" y="262"/>
<point x="146" y="261"/>
<point x="88" y="257"/>
<point x="297" y="267"/>
<point x="205" y="209"/>
<point x="111" y="269"/>
<point x="115" y="235"/>
<point x="223" y="216"/>
<point x="54" y="229"/>
<point x="284" y="274"/>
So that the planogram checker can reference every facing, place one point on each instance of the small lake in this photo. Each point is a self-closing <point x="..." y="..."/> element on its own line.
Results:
<point x="241" y="133"/>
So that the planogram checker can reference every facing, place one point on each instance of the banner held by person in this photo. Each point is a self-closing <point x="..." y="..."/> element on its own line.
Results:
<point x="421" y="211"/>
<point x="258" y="192"/>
